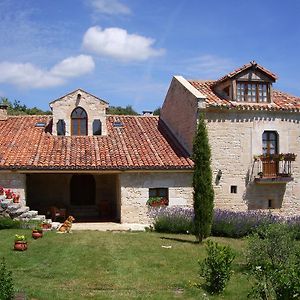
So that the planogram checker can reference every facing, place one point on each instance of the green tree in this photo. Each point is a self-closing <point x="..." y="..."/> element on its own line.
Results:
<point x="16" y="108"/>
<point x="202" y="182"/>
<point x="119" y="110"/>
<point x="156" y="112"/>
<point x="6" y="282"/>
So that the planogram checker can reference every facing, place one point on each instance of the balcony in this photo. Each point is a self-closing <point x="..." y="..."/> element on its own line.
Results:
<point x="273" y="168"/>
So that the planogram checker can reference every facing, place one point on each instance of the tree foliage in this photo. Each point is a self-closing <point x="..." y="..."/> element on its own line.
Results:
<point x="6" y="282"/>
<point x="119" y="110"/>
<point x="202" y="182"/>
<point x="16" y="108"/>
<point x="156" y="112"/>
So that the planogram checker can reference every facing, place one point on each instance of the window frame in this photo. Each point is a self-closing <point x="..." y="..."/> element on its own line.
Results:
<point x="79" y="121"/>
<point x="256" y="93"/>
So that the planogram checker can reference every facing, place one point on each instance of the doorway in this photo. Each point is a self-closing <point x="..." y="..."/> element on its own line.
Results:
<point x="83" y="189"/>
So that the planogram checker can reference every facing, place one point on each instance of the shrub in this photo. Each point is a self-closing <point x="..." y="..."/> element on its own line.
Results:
<point x="173" y="220"/>
<point x="8" y="223"/>
<point x="238" y="224"/>
<point x="6" y="282"/>
<point x="274" y="260"/>
<point x="294" y="225"/>
<point x="216" y="268"/>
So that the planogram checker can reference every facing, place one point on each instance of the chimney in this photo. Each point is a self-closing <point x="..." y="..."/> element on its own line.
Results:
<point x="147" y="113"/>
<point x="3" y="112"/>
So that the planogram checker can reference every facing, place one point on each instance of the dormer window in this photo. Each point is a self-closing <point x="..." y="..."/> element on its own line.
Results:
<point x="252" y="92"/>
<point x="79" y="121"/>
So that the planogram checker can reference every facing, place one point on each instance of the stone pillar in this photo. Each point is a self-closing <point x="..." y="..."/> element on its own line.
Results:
<point x="3" y="112"/>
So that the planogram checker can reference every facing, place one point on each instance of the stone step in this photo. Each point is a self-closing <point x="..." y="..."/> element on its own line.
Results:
<point x="5" y="203"/>
<point x="29" y="214"/>
<point x="39" y="218"/>
<point x="13" y="206"/>
<point x="18" y="212"/>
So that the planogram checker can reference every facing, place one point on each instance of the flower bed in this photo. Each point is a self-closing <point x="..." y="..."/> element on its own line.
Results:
<point x="225" y="223"/>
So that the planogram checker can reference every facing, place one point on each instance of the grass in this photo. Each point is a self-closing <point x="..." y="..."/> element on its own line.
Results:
<point x="114" y="265"/>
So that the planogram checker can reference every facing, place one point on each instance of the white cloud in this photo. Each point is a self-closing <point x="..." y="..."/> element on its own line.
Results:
<point x="118" y="43"/>
<point x="109" y="7"/>
<point x="27" y="75"/>
<point x="73" y="66"/>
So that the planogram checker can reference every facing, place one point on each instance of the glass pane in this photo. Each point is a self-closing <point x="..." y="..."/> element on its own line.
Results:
<point x="152" y="193"/>
<point x="61" y="127"/>
<point x="75" y="127"/>
<point x="83" y="127"/>
<point x="79" y="113"/>
<point x="163" y="192"/>
<point x="97" y="127"/>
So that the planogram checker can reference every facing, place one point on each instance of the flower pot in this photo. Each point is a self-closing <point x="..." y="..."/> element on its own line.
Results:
<point x="36" y="234"/>
<point x="46" y="226"/>
<point x="20" y="245"/>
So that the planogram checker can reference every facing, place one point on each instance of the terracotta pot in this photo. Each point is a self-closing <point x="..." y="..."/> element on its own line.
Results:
<point x="46" y="226"/>
<point x="36" y="234"/>
<point x="20" y="246"/>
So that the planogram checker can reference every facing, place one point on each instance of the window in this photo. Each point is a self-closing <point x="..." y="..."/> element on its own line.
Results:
<point x="252" y="92"/>
<point x="233" y="189"/>
<point x="270" y="203"/>
<point x="79" y="121"/>
<point x="270" y="142"/>
<point x="159" y="196"/>
<point x="97" y="128"/>
<point x="61" y="127"/>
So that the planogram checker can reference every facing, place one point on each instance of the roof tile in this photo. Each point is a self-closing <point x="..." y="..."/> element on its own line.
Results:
<point x="143" y="143"/>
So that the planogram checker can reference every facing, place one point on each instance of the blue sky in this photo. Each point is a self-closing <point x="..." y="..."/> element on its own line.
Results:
<point x="126" y="51"/>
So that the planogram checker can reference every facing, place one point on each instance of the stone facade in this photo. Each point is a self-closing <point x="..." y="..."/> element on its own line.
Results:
<point x="235" y="138"/>
<point x="63" y="107"/>
<point x="180" y="110"/>
<point x="135" y="192"/>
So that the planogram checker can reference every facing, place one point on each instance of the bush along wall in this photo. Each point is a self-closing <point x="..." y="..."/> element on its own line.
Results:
<point x="225" y="223"/>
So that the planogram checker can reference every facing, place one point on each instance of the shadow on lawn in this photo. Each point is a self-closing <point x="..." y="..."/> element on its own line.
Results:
<point x="179" y="240"/>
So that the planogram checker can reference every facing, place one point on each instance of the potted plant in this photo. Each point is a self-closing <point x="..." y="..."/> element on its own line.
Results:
<point x="20" y="243"/>
<point x="157" y="201"/>
<point x="37" y="232"/>
<point x="16" y="198"/>
<point x="8" y="194"/>
<point x="46" y="225"/>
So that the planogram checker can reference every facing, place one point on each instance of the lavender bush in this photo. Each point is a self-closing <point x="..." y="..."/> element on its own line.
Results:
<point x="239" y="224"/>
<point x="173" y="219"/>
<point x="225" y="223"/>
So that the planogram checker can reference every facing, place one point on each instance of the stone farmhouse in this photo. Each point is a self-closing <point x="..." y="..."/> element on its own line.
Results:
<point x="254" y="134"/>
<point x="106" y="167"/>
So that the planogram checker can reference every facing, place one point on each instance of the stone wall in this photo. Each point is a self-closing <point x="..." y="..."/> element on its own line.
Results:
<point x="63" y="107"/>
<point x="135" y="192"/>
<point x="15" y="182"/>
<point x="180" y="111"/>
<point x="235" y="137"/>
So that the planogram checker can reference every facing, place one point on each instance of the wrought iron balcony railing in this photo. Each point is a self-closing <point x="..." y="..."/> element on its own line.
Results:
<point x="274" y="167"/>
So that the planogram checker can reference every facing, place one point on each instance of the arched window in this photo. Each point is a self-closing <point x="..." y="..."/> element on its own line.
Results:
<point x="97" y="128"/>
<point x="79" y="121"/>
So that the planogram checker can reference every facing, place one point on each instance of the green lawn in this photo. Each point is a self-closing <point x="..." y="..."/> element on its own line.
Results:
<point x="108" y="265"/>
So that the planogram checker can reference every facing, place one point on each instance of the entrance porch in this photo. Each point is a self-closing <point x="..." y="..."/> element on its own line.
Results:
<point x="89" y="197"/>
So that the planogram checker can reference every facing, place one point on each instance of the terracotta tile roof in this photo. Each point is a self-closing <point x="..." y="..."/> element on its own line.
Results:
<point x="281" y="101"/>
<point x="143" y="143"/>
<point x="252" y="64"/>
